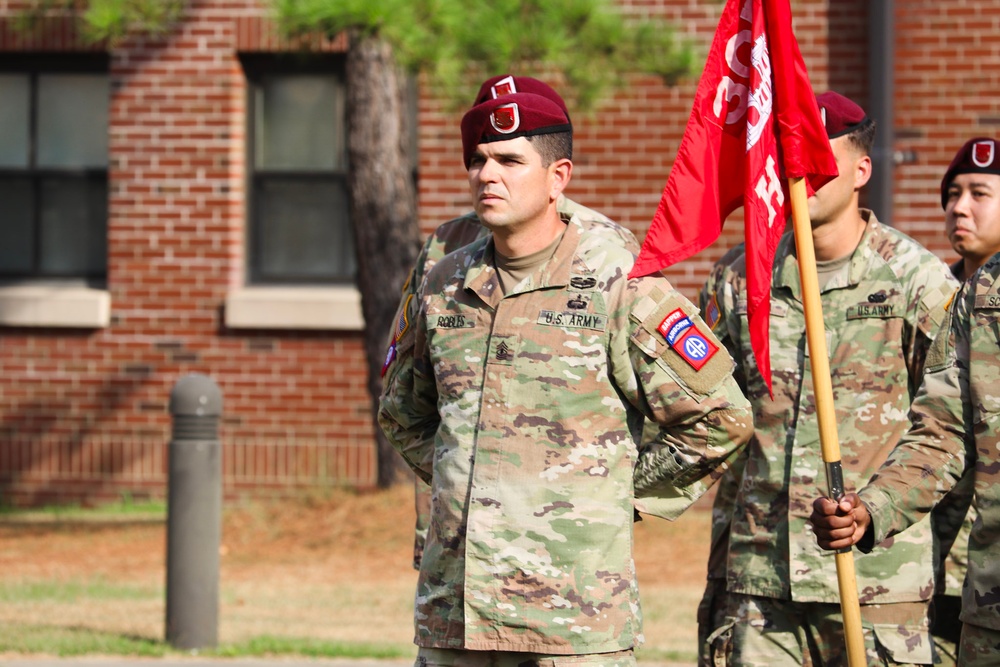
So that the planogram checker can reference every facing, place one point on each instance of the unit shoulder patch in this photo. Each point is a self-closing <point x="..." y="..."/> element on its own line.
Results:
<point x="712" y="312"/>
<point x="680" y="340"/>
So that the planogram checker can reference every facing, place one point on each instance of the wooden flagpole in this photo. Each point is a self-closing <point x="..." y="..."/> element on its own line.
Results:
<point x="823" y="390"/>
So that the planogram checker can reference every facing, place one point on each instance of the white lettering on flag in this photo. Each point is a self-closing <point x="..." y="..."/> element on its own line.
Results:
<point x="761" y="98"/>
<point x="768" y="188"/>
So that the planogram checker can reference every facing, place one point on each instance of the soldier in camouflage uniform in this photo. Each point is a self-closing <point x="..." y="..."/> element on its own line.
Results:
<point x="970" y="197"/>
<point x="955" y="432"/>
<point x="465" y="229"/>
<point x="521" y="388"/>
<point x="883" y="297"/>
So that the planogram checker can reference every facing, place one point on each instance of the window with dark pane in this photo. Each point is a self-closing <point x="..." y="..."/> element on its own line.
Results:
<point x="300" y="230"/>
<point x="54" y="166"/>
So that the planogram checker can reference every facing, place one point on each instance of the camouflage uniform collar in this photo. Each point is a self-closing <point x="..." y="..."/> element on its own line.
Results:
<point x="482" y="279"/>
<point x="957" y="269"/>
<point x="786" y="268"/>
<point x="990" y="264"/>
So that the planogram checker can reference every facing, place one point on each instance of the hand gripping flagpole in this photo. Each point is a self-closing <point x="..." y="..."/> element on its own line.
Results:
<point x="823" y="390"/>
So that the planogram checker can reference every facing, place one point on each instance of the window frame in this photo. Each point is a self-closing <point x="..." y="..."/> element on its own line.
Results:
<point x="256" y="68"/>
<point x="34" y="65"/>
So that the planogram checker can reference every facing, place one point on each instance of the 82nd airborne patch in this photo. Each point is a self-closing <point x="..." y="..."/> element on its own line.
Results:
<point x="684" y="337"/>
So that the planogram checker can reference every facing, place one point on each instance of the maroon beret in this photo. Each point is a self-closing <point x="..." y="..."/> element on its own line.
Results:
<point x="977" y="156"/>
<point x="507" y="84"/>
<point x="509" y="117"/>
<point x="840" y="115"/>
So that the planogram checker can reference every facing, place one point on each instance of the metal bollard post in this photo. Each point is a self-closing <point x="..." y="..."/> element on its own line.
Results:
<point x="194" y="514"/>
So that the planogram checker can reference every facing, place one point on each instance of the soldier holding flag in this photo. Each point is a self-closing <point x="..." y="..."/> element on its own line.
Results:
<point x="884" y="297"/>
<point x="756" y="139"/>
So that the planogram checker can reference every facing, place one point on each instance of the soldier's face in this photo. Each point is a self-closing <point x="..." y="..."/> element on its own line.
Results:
<point x="510" y="187"/>
<point x="972" y="215"/>
<point x="838" y="195"/>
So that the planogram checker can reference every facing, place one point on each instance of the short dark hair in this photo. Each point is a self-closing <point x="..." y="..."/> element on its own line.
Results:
<point x="863" y="138"/>
<point x="553" y="146"/>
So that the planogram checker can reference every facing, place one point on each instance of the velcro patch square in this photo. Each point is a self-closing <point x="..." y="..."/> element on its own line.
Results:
<point x="695" y="348"/>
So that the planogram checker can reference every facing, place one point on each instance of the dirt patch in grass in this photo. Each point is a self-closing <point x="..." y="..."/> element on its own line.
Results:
<point x="333" y="567"/>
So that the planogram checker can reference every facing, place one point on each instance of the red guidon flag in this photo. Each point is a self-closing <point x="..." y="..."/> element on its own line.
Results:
<point x="754" y="124"/>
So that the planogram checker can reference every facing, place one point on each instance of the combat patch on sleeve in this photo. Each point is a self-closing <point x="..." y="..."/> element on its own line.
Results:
<point x="712" y="312"/>
<point x="680" y="340"/>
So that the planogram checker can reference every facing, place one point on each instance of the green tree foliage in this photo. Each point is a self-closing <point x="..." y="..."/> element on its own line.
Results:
<point x="108" y="20"/>
<point x="588" y="44"/>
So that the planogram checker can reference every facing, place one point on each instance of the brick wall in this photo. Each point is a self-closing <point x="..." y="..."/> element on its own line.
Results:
<point x="84" y="413"/>
<point x="948" y="77"/>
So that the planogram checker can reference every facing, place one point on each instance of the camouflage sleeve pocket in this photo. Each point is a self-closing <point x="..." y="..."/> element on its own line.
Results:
<point x="939" y="353"/>
<point x="680" y="342"/>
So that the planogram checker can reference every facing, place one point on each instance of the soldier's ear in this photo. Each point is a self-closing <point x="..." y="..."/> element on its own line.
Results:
<point x="560" y="172"/>
<point x="862" y="171"/>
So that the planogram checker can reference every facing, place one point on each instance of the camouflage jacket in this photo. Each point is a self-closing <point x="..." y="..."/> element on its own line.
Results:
<point x="524" y="412"/>
<point x="881" y="312"/>
<point x="955" y="431"/>
<point x="448" y="237"/>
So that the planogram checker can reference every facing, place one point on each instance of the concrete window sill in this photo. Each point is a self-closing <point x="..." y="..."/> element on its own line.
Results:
<point x="54" y="304"/>
<point x="336" y="308"/>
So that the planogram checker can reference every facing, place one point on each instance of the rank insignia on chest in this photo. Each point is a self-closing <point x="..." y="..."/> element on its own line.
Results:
<point x="503" y="350"/>
<point x="684" y="337"/>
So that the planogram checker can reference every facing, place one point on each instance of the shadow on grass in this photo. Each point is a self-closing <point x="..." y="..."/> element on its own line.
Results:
<point x="65" y="641"/>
